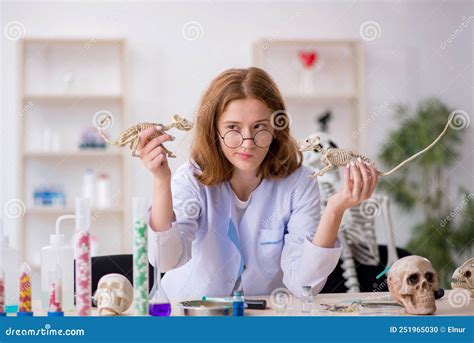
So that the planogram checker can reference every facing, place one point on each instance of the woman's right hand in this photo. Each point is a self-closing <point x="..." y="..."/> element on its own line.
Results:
<point x="153" y="155"/>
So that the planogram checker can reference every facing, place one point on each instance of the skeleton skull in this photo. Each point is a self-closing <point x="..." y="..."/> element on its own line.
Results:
<point x="412" y="282"/>
<point x="310" y="143"/>
<point x="114" y="294"/>
<point x="463" y="277"/>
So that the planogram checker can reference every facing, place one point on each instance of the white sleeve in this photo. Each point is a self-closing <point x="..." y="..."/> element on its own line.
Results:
<point x="304" y="263"/>
<point x="174" y="245"/>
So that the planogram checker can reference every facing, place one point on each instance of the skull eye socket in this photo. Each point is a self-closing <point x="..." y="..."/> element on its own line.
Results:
<point x="429" y="277"/>
<point x="467" y="273"/>
<point x="413" y="279"/>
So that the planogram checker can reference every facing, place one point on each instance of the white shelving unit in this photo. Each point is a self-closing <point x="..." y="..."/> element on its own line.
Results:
<point x="339" y="84"/>
<point x="62" y="84"/>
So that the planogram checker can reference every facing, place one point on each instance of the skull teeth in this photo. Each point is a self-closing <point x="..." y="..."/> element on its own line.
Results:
<point x="457" y="281"/>
<point x="426" y="298"/>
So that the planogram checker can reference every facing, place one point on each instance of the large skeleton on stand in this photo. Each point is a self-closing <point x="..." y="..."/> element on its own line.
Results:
<point x="357" y="230"/>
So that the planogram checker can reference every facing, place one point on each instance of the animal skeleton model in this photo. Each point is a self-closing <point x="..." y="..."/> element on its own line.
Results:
<point x="357" y="231"/>
<point x="334" y="157"/>
<point x="463" y="277"/>
<point x="132" y="134"/>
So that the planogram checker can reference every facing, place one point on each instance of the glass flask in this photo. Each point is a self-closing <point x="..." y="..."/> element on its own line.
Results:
<point x="159" y="304"/>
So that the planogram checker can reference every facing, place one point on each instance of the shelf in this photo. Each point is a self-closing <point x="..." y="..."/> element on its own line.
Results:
<point x="264" y="42"/>
<point x="59" y="78"/>
<point x="68" y="210"/>
<point x="77" y="153"/>
<point x="68" y="97"/>
<point x="338" y="83"/>
<point x="73" y="40"/>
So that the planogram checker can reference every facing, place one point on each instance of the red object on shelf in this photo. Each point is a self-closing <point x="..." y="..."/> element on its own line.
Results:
<point x="308" y="58"/>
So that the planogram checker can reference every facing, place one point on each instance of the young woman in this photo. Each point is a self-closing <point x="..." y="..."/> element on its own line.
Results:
<point x="243" y="212"/>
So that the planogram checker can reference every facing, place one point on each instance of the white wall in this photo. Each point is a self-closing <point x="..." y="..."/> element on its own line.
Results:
<point x="168" y="73"/>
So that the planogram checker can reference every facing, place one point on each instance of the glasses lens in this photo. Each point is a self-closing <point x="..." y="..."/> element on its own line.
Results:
<point x="263" y="138"/>
<point x="233" y="139"/>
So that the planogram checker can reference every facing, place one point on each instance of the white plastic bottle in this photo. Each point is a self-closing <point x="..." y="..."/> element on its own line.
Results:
<point x="66" y="263"/>
<point x="103" y="191"/>
<point x="11" y="265"/>
<point x="89" y="186"/>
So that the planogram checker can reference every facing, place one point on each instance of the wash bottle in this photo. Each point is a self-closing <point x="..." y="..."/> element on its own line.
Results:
<point x="61" y="254"/>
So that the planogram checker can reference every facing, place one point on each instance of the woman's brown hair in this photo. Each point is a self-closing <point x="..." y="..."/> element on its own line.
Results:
<point x="283" y="156"/>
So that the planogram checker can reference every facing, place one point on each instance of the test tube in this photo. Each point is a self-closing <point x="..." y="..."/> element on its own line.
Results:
<point x="2" y="293"/>
<point x="83" y="258"/>
<point x="140" y="257"/>
<point x="24" y="308"/>
<point x="55" y="307"/>
<point x="2" y="272"/>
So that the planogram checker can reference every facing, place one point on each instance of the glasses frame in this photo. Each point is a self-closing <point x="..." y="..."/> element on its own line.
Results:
<point x="244" y="139"/>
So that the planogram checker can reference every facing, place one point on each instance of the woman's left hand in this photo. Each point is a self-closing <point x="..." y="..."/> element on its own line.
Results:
<point x="360" y="180"/>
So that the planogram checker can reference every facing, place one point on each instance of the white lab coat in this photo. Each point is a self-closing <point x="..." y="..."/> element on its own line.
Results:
<point x="199" y="252"/>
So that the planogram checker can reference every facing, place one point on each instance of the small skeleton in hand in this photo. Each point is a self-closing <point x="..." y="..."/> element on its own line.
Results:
<point x="333" y="157"/>
<point x="132" y="134"/>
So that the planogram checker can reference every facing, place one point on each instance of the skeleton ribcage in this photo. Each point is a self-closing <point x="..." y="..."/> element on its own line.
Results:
<point x="359" y="231"/>
<point x="339" y="157"/>
<point x="348" y="263"/>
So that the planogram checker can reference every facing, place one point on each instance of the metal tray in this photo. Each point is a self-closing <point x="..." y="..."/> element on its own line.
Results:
<point x="206" y="308"/>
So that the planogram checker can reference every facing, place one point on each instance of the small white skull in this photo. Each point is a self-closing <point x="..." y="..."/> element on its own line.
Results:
<point x="412" y="282"/>
<point x="463" y="277"/>
<point x="114" y="294"/>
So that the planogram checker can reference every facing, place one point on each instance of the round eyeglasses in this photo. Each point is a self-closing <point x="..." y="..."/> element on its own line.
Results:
<point x="234" y="139"/>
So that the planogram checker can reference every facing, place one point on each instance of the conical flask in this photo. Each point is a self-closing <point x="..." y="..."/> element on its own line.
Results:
<point x="159" y="304"/>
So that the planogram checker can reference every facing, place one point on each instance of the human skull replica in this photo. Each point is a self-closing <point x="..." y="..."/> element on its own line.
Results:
<point x="114" y="294"/>
<point x="412" y="282"/>
<point x="463" y="277"/>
